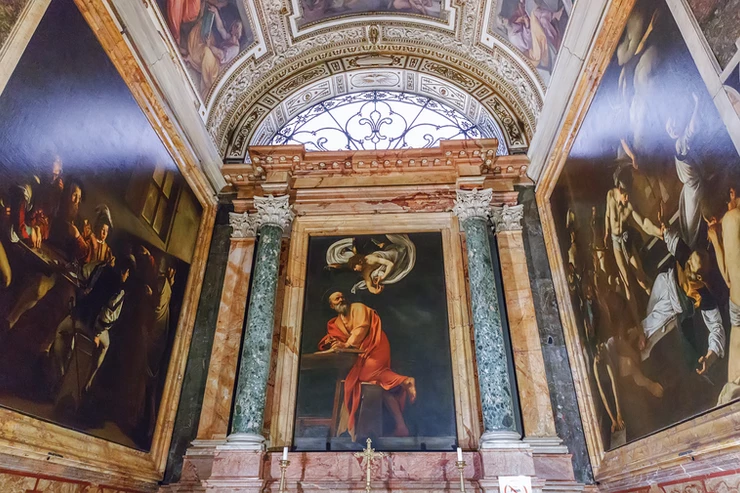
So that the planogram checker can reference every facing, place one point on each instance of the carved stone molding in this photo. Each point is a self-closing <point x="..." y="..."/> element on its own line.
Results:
<point x="242" y="225"/>
<point x="274" y="211"/>
<point x="493" y="76"/>
<point x="507" y="218"/>
<point x="473" y="203"/>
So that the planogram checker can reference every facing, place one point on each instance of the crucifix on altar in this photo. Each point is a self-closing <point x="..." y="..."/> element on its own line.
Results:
<point x="369" y="455"/>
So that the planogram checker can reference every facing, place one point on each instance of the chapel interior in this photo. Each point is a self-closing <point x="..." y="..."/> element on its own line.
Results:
<point x="400" y="246"/>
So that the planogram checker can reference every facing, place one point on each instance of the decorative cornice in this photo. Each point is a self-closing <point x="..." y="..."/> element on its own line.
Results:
<point x="242" y="225"/>
<point x="507" y="218"/>
<point x="275" y="211"/>
<point x="473" y="204"/>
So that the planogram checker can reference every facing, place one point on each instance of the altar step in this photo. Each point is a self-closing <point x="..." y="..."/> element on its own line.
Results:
<point x="209" y="468"/>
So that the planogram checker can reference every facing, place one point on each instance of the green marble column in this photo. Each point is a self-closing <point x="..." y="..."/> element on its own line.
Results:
<point x="273" y="216"/>
<point x="499" y="425"/>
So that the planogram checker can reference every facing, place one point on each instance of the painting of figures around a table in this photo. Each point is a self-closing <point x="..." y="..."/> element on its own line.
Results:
<point x="648" y="219"/>
<point x="534" y="27"/>
<point x="375" y="350"/>
<point x="97" y="231"/>
<point x="210" y="34"/>
<point x="315" y="11"/>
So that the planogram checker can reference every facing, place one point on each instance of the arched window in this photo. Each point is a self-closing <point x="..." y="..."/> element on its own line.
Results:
<point x="380" y="120"/>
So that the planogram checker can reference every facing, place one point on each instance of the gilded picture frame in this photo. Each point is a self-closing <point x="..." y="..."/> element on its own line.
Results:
<point x="26" y="441"/>
<point x="281" y="414"/>
<point x="705" y="436"/>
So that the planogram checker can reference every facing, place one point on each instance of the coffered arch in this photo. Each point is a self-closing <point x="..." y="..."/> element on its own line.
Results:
<point x="502" y="84"/>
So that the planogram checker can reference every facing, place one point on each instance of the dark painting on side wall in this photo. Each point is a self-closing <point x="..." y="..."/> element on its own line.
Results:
<point x="647" y="212"/>
<point x="210" y="34"/>
<point x="375" y="349"/>
<point x="97" y="233"/>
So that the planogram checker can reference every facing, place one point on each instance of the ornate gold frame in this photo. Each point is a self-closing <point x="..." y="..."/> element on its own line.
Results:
<point x="705" y="436"/>
<point x="31" y="445"/>
<point x="461" y="347"/>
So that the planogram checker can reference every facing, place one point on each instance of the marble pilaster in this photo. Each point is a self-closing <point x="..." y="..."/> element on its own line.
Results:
<point x="499" y="426"/>
<point x="273" y="216"/>
<point x="214" y="416"/>
<point x="534" y="394"/>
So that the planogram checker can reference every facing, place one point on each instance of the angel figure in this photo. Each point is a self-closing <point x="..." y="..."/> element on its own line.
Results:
<point x="381" y="264"/>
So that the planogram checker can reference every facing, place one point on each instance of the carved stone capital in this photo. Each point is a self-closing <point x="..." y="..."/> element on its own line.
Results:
<point x="507" y="218"/>
<point x="275" y="211"/>
<point x="473" y="203"/>
<point x="242" y="225"/>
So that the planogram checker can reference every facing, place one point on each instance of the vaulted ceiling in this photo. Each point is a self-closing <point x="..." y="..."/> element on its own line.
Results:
<point x="253" y="64"/>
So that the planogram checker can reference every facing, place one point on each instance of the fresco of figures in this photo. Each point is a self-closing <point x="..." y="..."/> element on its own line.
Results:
<point x="10" y="11"/>
<point x="210" y="34"/>
<point x="720" y="22"/>
<point x="315" y="11"/>
<point x="97" y="231"/>
<point x="535" y="28"/>
<point x="375" y="351"/>
<point x="647" y="215"/>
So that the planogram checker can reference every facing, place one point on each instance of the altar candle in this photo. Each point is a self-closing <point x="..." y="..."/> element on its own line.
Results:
<point x="459" y="454"/>
<point x="285" y="453"/>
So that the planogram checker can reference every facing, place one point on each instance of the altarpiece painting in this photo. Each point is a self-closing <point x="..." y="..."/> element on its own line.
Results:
<point x="97" y="234"/>
<point x="375" y="350"/>
<point x="647" y="220"/>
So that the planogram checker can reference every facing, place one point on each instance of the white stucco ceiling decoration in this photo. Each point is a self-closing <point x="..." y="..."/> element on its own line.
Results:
<point x="302" y="54"/>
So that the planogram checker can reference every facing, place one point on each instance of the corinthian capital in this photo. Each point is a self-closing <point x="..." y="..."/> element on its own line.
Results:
<point x="275" y="211"/>
<point x="473" y="203"/>
<point x="242" y="225"/>
<point x="507" y="218"/>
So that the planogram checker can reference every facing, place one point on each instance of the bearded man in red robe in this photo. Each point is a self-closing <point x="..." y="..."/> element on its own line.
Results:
<point x="358" y="326"/>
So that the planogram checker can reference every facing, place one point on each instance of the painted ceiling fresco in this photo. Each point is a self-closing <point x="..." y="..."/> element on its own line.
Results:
<point x="534" y="27"/>
<point x="316" y="11"/>
<point x="720" y="22"/>
<point x="210" y="34"/>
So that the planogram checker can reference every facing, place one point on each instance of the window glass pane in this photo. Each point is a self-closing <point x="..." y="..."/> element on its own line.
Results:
<point x="169" y="179"/>
<point x="159" y="219"/>
<point x="379" y="120"/>
<point x="150" y="206"/>
<point x="159" y="175"/>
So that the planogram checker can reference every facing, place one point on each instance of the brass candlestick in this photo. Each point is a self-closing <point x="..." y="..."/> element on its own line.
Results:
<point x="283" y="466"/>
<point x="461" y="467"/>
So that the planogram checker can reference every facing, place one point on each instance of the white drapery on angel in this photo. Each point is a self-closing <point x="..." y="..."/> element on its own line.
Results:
<point x="401" y="251"/>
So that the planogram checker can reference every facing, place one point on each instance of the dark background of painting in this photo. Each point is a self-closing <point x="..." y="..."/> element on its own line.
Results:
<point x="413" y="313"/>
<point x="65" y="98"/>
<point x="585" y="181"/>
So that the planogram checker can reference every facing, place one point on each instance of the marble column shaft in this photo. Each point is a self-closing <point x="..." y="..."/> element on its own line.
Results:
<point x="249" y="408"/>
<point x="217" y="400"/>
<point x="491" y="354"/>
<point x="272" y="217"/>
<point x="534" y="394"/>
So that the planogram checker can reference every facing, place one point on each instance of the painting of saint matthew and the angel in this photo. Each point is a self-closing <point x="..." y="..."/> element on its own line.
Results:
<point x="375" y="347"/>
<point x="647" y="211"/>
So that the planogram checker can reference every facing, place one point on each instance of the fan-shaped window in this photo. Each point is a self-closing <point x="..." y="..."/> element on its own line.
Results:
<point x="379" y="120"/>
